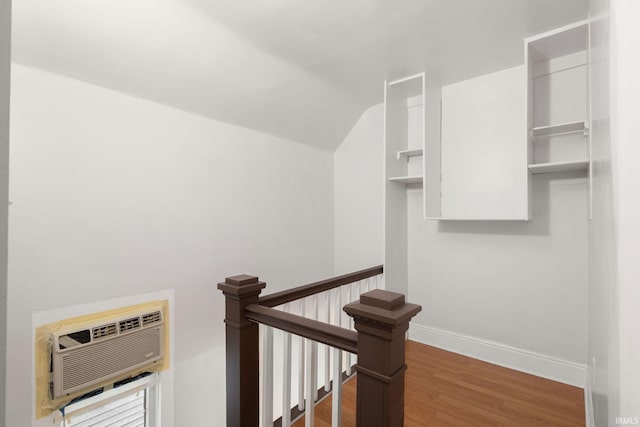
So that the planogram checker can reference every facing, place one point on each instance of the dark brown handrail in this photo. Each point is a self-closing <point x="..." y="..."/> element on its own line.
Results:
<point x="380" y="317"/>
<point x="299" y="292"/>
<point x="324" y="333"/>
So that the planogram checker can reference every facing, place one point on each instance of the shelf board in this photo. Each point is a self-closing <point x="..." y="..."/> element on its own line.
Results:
<point x="576" y="165"/>
<point x="407" y="179"/>
<point x="409" y="153"/>
<point x="559" y="129"/>
<point x="442" y="218"/>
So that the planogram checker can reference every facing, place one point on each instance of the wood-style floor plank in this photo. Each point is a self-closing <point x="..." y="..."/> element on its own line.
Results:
<point x="448" y="389"/>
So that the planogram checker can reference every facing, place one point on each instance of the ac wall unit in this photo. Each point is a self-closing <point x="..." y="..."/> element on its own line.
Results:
<point x="104" y="351"/>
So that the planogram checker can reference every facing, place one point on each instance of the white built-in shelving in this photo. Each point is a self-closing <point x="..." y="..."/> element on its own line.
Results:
<point x="557" y="102"/>
<point x="404" y="127"/>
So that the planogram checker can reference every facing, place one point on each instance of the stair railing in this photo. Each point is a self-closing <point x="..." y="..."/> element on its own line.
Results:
<point x="376" y="321"/>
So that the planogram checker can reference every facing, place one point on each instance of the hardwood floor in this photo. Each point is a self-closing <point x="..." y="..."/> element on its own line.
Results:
<point x="447" y="389"/>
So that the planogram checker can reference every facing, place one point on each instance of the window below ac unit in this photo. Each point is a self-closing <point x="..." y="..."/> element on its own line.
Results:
<point x="134" y="404"/>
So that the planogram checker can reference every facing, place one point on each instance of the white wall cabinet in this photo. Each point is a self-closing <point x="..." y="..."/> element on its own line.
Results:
<point x="483" y="148"/>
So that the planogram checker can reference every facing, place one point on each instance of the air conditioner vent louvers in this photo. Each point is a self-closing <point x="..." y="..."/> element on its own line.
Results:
<point x="88" y="357"/>
<point x="104" y="331"/>
<point x="151" y="318"/>
<point x="129" y="324"/>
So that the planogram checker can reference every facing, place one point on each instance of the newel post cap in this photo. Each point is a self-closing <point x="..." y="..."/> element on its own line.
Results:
<point x="241" y="285"/>
<point x="386" y="308"/>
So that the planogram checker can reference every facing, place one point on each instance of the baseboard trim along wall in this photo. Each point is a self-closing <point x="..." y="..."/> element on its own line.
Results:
<point x="588" y="401"/>
<point x="510" y="357"/>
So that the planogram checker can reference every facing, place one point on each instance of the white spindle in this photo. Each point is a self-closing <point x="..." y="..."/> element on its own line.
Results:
<point x="301" y="365"/>
<point x="286" y="377"/>
<point x="314" y="367"/>
<point x="336" y="398"/>
<point x="267" y="377"/>
<point x="327" y="350"/>
<point x="309" y="412"/>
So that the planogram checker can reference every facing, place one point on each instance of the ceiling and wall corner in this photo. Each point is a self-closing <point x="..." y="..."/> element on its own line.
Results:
<point x="301" y="70"/>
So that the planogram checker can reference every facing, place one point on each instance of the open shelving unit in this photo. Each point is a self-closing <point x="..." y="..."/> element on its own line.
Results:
<point x="404" y="131"/>
<point x="557" y="102"/>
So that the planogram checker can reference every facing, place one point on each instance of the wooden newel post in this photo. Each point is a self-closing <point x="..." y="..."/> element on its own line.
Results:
<point x="242" y="351"/>
<point x="381" y="319"/>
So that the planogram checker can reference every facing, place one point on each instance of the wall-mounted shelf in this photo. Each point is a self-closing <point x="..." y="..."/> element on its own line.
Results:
<point x="557" y="64"/>
<point x="406" y="154"/>
<point x="560" y="129"/>
<point x="406" y="179"/>
<point x="575" y="165"/>
<point x="440" y="218"/>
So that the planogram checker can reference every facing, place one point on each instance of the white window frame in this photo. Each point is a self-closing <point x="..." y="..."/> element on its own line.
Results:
<point x="149" y="385"/>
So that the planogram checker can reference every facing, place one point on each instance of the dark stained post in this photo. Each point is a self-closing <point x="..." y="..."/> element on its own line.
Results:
<point x="381" y="319"/>
<point x="242" y="351"/>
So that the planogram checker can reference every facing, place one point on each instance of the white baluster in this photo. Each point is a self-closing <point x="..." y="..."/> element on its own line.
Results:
<point x="327" y="350"/>
<point x="267" y="377"/>
<point x="286" y="377"/>
<point x="301" y="365"/>
<point x="314" y="300"/>
<point x="336" y="398"/>
<point x="309" y="412"/>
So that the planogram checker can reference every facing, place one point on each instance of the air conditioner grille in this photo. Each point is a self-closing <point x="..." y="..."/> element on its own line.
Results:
<point x="151" y="318"/>
<point x="104" y="331"/>
<point x="110" y="358"/>
<point x="129" y="324"/>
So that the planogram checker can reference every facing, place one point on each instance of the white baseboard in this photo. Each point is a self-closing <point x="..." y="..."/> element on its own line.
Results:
<point x="588" y="401"/>
<point x="510" y="357"/>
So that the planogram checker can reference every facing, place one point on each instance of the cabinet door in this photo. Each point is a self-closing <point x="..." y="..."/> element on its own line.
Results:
<point x="484" y="147"/>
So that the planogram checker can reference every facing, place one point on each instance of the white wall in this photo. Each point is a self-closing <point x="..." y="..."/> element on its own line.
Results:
<point x="516" y="289"/>
<point x="358" y="200"/>
<point x="603" y="336"/>
<point x="5" y="69"/>
<point x="626" y="176"/>
<point x="516" y="284"/>
<point x="114" y="196"/>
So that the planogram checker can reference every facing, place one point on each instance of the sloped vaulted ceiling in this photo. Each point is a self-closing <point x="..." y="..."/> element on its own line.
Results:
<point x="301" y="69"/>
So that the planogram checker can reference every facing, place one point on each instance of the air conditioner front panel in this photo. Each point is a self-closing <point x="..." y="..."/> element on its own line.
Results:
<point x="103" y="360"/>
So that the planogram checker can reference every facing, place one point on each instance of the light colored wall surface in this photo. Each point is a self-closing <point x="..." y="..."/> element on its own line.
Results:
<point x="5" y="69"/>
<point x="513" y="284"/>
<point x="626" y="176"/>
<point x="114" y="196"/>
<point x="521" y="284"/>
<point x="358" y="195"/>
<point x="484" y="152"/>
<point x="603" y="335"/>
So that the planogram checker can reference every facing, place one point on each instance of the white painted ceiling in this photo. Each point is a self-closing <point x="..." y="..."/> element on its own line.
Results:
<point x="304" y="70"/>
